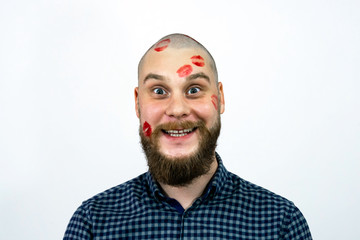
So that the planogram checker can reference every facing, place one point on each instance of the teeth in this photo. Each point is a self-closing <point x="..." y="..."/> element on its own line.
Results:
<point x="179" y="133"/>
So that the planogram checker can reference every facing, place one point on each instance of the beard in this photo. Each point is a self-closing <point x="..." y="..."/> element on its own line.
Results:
<point x="182" y="170"/>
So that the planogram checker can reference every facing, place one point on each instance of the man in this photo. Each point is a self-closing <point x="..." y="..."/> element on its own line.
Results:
<point x="187" y="193"/>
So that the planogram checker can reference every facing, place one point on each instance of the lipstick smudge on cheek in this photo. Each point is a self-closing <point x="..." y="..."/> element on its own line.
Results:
<point x="198" y="61"/>
<point x="184" y="71"/>
<point x="147" y="129"/>
<point x="214" y="100"/>
<point x="160" y="46"/>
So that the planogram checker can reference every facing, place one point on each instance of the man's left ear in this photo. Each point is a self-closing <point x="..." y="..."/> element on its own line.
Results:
<point x="222" y="99"/>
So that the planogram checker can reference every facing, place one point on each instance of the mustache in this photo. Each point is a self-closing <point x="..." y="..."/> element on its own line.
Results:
<point x="179" y="125"/>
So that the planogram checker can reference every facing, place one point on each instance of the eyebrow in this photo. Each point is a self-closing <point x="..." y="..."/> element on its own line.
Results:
<point x="188" y="78"/>
<point x="154" y="76"/>
<point x="198" y="75"/>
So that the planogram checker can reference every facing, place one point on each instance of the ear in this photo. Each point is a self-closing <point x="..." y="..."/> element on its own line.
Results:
<point x="136" y="94"/>
<point x="222" y="100"/>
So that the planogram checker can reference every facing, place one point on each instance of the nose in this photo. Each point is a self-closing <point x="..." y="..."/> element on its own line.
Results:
<point x="178" y="107"/>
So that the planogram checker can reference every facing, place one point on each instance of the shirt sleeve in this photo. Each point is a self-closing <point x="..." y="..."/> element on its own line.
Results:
<point x="296" y="227"/>
<point x="79" y="227"/>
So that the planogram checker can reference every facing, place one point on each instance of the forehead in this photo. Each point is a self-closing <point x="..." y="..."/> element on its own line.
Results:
<point x="170" y="61"/>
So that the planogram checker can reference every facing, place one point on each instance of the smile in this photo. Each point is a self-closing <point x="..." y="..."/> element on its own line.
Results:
<point x="179" y="133"/>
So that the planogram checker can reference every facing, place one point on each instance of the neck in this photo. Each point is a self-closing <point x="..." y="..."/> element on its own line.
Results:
<point x="186" y="195"/>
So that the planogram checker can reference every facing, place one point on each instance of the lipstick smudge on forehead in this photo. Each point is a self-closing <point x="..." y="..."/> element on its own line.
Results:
<point x="160" y="46"/>
<point x="184" y="70"/>
<point x="198" y="61"/>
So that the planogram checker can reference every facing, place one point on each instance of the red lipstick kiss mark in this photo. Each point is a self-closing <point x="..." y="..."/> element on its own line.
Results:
<point x="198" y="60"/>
<point x="160" y="46"/>
<point x="184" y="71"/>
<point x="147" y="129"/>
<point x="214" y="100"/>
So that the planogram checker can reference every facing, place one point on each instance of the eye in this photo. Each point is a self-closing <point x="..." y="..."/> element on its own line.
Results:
<point x="193" y="90"/>
<point x="159" y="91"/>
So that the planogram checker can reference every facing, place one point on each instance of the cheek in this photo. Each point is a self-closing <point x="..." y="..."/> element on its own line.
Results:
<point x="150" y="114"/>
<point x="151" y="109"/>
<point x="205" y="110"/>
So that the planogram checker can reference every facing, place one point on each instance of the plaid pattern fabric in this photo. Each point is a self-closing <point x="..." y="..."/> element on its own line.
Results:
<point x="230" y="208"/>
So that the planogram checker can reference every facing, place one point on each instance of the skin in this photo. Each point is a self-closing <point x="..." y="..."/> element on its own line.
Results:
<point x="165" y="97"/>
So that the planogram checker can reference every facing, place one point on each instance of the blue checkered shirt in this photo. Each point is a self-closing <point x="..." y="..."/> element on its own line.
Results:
<point x="230" y="208"/>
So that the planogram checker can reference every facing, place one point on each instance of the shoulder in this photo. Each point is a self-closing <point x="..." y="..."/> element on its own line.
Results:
<point x="122" y="199"/>
<point x="125" y="194"/>
<point x="256" y="197"/>
<point x="260" y="204"/>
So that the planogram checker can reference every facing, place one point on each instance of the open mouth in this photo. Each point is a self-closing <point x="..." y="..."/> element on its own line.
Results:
<point x="179" y="133"/>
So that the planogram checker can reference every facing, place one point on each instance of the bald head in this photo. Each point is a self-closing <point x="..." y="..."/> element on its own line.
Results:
<point x="180" y="42"/>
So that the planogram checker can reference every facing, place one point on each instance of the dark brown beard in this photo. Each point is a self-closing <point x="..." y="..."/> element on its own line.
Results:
<point x="181" y="171"/>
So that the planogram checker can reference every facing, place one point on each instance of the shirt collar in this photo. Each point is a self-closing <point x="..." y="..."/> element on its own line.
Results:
<point x="214" y="187"/>
<point x="219" y="179"/>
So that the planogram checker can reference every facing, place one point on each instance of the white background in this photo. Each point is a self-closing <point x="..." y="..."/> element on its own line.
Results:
<point x="68" y="128"/>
